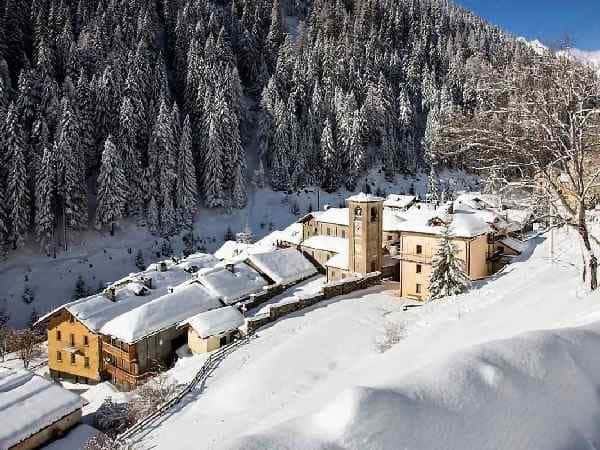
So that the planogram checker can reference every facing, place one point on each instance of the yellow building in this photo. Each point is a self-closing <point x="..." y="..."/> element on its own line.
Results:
<point x="211" y="330"/>
<point x="367" y="237"/>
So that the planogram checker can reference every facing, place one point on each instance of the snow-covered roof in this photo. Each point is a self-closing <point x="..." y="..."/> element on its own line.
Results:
<point x="198" y="261"/>
<point x="399" y="201"/>
<point x="217" y="321"/>
<point x="520" y="216"/>
<point x="283" y="266"/>
<point x="184" y="302"/>
<point x="465" y="223"/>
<point x="362" y="197"/>
<point x="231" y="249"/>
<point x="339" y="261"/>
<point x="392" y="220"/>
<point x="337" y="216"/>
<point x="30" y="403"/>
<point x="292" y="234"/>
<point x="478" y="200"/>
<point x="515" y="244"/>
<point x="327" y="243"/>
<point x="232" y="286"/>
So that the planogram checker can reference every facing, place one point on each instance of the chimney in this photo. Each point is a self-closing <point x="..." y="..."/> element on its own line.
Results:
<point x="147" y="281"/>
<point x="162" y="266"/>
<point x="230" y="267"/>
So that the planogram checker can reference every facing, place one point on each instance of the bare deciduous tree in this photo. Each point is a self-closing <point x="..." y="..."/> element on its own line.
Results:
<point x="538" y="132"/>
<point x="27" y="344"/>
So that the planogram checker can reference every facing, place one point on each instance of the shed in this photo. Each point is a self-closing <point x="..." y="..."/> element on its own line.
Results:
<point x="212" y="329"/>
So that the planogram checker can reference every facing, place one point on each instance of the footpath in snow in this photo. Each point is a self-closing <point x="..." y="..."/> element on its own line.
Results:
<point x="464" y="374"/>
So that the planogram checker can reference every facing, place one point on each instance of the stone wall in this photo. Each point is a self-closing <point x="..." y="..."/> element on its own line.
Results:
<point x="330" y="290"/>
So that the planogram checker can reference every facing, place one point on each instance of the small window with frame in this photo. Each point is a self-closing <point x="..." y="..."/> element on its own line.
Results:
<point x="72" y="358"/>
<point x="86" y="341"/>
<point x="59" y="356"/>
<point x="58" y="335"/>
<point x="419" y="249"/>
<point x="418" y="288"/>
<point x="419" y="268"/>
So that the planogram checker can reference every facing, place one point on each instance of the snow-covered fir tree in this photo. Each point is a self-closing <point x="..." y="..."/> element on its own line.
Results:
<point x="187" y="192"/>
<point x="366" y="77"/>
<point x="45" y="200"/>
<point x="112" y="187"/>
<point x="448" y="276"/>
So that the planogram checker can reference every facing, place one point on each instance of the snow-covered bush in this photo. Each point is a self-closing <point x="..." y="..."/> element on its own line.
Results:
<point x="393" y="334"/>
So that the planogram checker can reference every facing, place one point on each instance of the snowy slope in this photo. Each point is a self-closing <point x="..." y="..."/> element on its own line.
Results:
<point x="463" y="375"/>
<point x="97" y="257"/>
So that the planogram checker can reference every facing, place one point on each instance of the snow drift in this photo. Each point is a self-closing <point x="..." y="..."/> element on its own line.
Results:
<point x="537" y="390"/>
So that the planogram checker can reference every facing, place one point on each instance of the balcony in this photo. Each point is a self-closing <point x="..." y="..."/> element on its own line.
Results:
<point x="127" y="353"/>
<point x="120" y="375"/>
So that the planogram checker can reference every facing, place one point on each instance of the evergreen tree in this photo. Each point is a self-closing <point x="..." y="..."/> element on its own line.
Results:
<point x="71" y="170"/>
<point x="81" y="289"/>
<point x="187" y="193"/>
<point x="448" y="275"/>
<point x="152" y="215"/>
<point x="139" y="260"/>
<point x="45" y="197"/>
<point x="18" y="191"/>
<point x="112" y="187"/>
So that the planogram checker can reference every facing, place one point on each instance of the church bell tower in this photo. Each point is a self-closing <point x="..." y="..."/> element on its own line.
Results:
<point x="365" y="252"/>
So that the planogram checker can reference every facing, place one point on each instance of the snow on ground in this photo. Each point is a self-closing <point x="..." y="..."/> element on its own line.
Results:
<point x="304" y="289"/>
<point x="74" y="439"/>
<point x="100" y="258"/>
<point x="462" y="376"/>
<point x="95" y="395"/>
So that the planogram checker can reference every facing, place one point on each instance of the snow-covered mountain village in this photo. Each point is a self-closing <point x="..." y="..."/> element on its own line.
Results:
<point x="301" y="225"/>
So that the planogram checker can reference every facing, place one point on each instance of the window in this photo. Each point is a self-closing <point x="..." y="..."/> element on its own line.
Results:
<point x="58" y="335"/>
<point x="86" y="362"/>
<point x="418" y="288"/>
<point x="344" y="234"/>
<point x="71" y="319"/>
<point x="72" y="358"/>
<point x="59" y="356"/>
<point x="390" y="237"/>
<point x="85" y="341"/>
<point x="418" y="268"/>
<point x="373" y="266"/>
<point x="373" y="214"/>
<point x="328" y="231"/>
<point x="72" y="339"/>
<point x="419" y="249"/>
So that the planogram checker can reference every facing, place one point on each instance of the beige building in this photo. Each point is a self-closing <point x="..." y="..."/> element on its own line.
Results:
<point x="213" y="329"/>
<point x="401" y="241"/>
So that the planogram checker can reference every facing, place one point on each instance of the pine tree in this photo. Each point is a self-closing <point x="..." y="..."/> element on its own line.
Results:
<point x="4" y="225"/>
<point x="139" y="260"/>
<point x="152" y="215"/>
<point x="131" y="158"/>
<point x="71" y="170"/>
<point x="168" y="217"/>
<point x="81" y="289"/>
<point x="331" y="159"/>
<point x="112" y="187"/>
<point x="45" y="197"/>
<point x="187" y="193"/>
<point x="213" y="183"/>
<point x="448" y="276"/>
<point x="18" y="191"/>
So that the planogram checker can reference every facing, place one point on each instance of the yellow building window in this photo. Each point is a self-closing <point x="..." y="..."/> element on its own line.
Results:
<point x="419" y="249"/>
<point x="328" y="231"/>
<point x="419" y="268"/>
<point x="72" y="339"/>
<point x="72" y="358"/>
<point x="86" y="341"/>
<point x="59" y="356"/>
<point x="418" y="288"/>
<point x="86" y="362"/>
<point x="344" y="234"/>
<point x="58" y="335"/>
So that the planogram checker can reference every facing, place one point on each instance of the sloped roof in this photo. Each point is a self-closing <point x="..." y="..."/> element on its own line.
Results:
<point x="337" y="216"/>
<point x="399" y="201"/>
<point x="283" y="266"/>
<point x="184" y="302"/>
<point x="217" y="321"/>
<point x="515" y="244"/>
<point x="30" y="403"/>
<point x="232" y="286"/>
<point x="327" y="243"/>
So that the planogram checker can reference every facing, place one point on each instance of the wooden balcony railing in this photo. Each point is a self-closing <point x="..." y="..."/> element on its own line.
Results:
<point x="117" y="352"/>
<point x="122" y="375"/>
